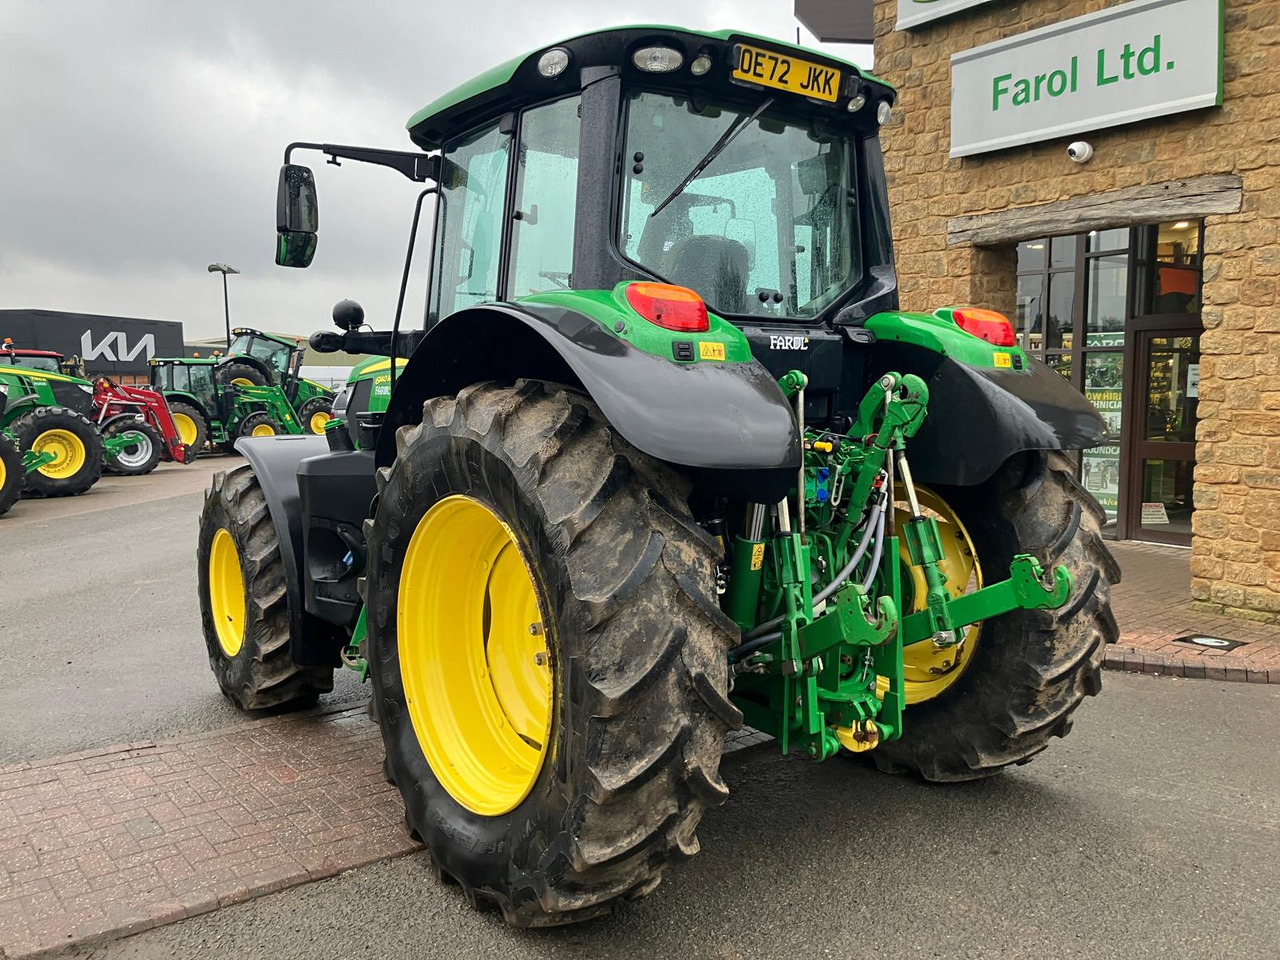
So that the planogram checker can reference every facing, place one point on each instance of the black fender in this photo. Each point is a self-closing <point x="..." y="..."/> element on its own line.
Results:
<point x="727" y="422"/>
<point x="275" y="462"/>
<point x="978" y="417"/>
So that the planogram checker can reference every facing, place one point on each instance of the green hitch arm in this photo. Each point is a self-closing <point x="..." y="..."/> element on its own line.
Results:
<point x="32" y="461"/>
<point x="1024" y="590"/>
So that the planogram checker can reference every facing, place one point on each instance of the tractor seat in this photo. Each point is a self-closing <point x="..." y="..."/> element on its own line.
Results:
<point x="714" y="267"/>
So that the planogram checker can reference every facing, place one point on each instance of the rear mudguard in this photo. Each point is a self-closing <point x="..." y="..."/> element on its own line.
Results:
<point x="275" y="460"/>
<point x="979" y="417"/>
<point x="728" y="422"/>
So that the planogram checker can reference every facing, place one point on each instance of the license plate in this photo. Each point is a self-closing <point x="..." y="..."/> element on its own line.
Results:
<point x="769" y="69"/>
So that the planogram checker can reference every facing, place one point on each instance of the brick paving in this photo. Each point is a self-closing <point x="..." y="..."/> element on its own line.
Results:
<point x="115" y="841"/>
<point x="110" y="842"/>
<point x="1153" y="606"/>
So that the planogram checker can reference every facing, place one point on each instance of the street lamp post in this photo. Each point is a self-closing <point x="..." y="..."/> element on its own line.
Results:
<point x="224" y="269"/>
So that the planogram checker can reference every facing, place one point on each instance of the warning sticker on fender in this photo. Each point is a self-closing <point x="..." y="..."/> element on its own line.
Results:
<point x="711" y="351"/>
<point x="1004" y="360"/>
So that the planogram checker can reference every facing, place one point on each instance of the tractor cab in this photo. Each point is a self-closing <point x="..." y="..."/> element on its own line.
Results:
<point x="742" y="169"/>
<point x="274" y="353"/>
<point x="45" y="360"/>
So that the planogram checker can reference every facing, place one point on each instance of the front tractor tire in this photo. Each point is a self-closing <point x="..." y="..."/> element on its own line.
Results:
<point x="1027" y="671"/>
<point x="141" y="456"/>
<point x="74" y="443"/>
<point x="244" y="605"/>
<point x="315" y="414"/>
<point x="258" y="424"/>
<point x="547" y="652"/>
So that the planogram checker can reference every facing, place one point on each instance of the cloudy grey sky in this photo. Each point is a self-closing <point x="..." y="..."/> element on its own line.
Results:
<point x="142" y="139"/>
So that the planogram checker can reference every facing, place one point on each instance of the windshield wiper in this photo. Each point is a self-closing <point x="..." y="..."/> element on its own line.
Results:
<point x="717" y="148"/>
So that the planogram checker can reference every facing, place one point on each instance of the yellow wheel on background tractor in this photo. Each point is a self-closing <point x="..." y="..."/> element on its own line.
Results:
<point x="72" y="441"/>
<point x="315" y="414"/>
<point x="68" y="451"/>
<point x="193" y="429"/>
<point x="927" y="669"/>
<point x="547" y="652"/>
<point x="187" y="431"/>
<point x="258" y="425"/>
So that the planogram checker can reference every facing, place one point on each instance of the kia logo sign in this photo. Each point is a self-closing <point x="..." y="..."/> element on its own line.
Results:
<point x="115" y="347"/>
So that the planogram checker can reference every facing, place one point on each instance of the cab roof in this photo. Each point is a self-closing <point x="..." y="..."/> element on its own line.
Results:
<point x="510" y="84"/>
<point x="23" y="352"/>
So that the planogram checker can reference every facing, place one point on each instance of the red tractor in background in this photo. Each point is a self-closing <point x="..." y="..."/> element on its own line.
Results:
<point x="120" y="409"/>
<point x="138" y="415"/>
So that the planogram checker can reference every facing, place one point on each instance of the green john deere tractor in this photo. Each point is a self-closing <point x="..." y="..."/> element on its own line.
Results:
<point x="49" y="447"/>
<point x="255" y="358"/>
<point x="666" y="458"/>
<point x="258" y="393"/>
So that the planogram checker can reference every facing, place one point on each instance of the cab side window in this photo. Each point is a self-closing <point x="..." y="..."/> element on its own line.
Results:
<point x="473" y="187"/>
<point x="546" y="199"/>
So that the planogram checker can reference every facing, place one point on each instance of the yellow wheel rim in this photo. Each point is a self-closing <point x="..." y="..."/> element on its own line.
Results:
<point x="4" y="474"/>
<point x="69" y="454"/>
<point x="927" y="670"/>
<point x="474" y="659"/>
<point x="226" y="592"/>
<point x="187" y="431"/>
<point x="263" y="430"/>
<point x="318" y="420"/>
<point x="243" y="382"/>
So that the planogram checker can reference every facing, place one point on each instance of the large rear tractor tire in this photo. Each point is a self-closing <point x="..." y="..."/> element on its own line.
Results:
<point x="314" y="414"/>
<point x="140" y="457"/>
<point x="11" y="474"/>
<point x="547" y="652"/>
<point x="1002" y="700"/>
<point x="241" y="375"/>
<point x="75" y="444"/>
<point x="193" y="428"/>
<point x="244" y="606"/>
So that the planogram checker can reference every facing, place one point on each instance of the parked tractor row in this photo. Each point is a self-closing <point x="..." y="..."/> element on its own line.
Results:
<point x="59" y="431"/>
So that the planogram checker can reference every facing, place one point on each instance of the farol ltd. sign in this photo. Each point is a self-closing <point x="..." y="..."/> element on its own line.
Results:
<point x="1127" y="63"/>
<point x="913" y="13"/>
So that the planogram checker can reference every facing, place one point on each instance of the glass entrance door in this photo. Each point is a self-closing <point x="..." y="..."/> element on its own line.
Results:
<point x="1164" y="435"/>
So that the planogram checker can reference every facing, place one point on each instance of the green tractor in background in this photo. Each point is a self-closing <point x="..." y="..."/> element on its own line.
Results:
<point x="254" y="391"/>
<point x="666" y="458"/>
<point x="255" y="358"/>
<point x="49" y="446"/>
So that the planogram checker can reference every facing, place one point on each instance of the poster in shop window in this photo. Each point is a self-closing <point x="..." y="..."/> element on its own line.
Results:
<point x="1100" y="466"/>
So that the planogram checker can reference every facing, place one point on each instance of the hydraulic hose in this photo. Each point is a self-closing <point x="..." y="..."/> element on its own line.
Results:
<point x="766" y="633"/>
<point x="875" y="519"/>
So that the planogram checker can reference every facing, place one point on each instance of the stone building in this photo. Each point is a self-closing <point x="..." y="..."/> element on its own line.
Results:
<point x="1148" y="274"/>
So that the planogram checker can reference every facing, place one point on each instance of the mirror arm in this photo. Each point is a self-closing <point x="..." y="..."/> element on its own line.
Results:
<point x="418" y="167"/>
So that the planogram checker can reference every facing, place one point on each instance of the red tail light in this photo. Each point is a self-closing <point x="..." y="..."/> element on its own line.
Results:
<point x="992" y="327"/>
<point x="671" y="307"/>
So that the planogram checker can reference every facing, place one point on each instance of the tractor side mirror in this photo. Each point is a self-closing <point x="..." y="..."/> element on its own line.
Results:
<point x="297" y="216"/>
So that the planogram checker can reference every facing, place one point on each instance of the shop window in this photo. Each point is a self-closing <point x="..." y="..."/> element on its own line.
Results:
<point x="1169" y="268"/>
